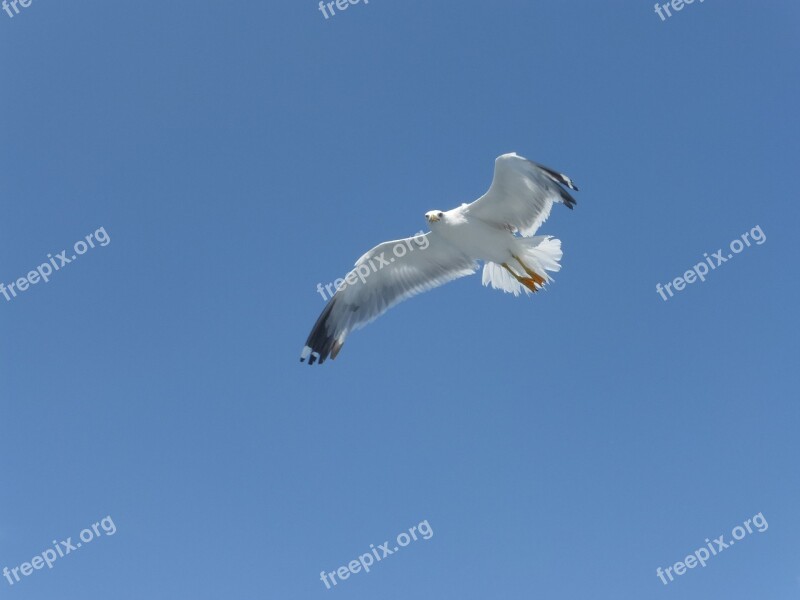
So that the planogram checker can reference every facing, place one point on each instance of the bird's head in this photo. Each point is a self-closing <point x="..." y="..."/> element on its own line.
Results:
<point x="432" y="216"/>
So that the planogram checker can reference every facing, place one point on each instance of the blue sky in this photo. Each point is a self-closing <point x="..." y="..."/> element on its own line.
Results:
<point x="564" y="445"/>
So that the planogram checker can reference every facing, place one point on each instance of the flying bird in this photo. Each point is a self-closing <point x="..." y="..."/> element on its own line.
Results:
<point x="497" y="229"/>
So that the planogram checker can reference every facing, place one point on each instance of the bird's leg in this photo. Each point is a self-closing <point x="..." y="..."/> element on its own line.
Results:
<point x="540" y="281"/>
<point x="526" y="281"/>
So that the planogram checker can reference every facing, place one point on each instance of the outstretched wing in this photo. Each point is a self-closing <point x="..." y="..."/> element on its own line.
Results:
<point x="383" y="277"/>
<point x="521" y="195"/>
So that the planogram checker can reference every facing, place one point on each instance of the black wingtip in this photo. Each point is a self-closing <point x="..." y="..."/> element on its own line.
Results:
<point x="558" y="177"/>
<point x="320" y="341"/>
<point x="567" y="198"/>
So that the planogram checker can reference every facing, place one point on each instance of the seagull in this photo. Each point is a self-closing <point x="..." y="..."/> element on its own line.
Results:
<point x="496" y="229"/>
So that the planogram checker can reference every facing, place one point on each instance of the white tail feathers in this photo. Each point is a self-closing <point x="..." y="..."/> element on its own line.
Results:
<point x="539" y="254"/>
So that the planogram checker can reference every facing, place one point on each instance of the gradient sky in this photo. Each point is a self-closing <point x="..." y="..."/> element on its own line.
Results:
<point x="560" y="446"/>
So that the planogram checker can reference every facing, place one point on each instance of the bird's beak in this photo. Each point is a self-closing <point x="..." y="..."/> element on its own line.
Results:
<point x="432" y="218"/>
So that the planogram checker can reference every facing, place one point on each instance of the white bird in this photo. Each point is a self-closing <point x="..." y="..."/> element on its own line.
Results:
<point x="497" y="229"/>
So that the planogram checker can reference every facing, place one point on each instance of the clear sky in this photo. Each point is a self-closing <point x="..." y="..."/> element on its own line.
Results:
<point x="233" y="155"/>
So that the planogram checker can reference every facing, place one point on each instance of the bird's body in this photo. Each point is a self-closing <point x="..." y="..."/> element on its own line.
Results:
<point x="473" y="236"/>
<point x="497" y="229"/>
